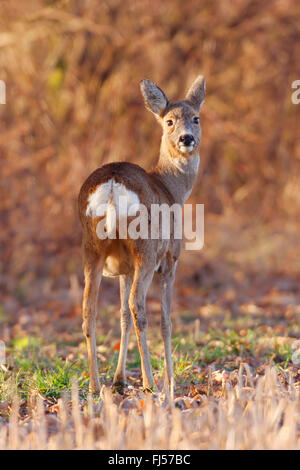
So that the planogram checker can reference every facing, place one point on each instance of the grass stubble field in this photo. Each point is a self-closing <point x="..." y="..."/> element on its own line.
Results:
<point x="236" y="333"/>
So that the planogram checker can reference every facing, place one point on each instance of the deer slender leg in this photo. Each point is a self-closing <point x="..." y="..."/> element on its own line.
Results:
<point x="126" y="324"/>
<point x="137" y="304"/>
<point x="167" y="283"/>
<point x="92" y="274"/>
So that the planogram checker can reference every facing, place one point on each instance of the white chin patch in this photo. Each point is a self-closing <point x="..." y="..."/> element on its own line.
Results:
<point x="186" y="149"/>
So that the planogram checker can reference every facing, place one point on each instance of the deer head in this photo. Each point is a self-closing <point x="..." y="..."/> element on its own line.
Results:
<point x="180" y="120"/>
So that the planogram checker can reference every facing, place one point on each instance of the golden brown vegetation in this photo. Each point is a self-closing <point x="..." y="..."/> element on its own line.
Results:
<point x="72" y="70"/>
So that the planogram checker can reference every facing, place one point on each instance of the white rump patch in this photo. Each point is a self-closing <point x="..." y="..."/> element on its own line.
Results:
<point x="98" y="199"/>
<point x="114" y="194"/>
<point x="126" y="201"/>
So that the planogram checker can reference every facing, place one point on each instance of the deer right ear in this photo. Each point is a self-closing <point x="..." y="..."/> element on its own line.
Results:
<point x="196" y="93"/>
<point x="155" y="99"/>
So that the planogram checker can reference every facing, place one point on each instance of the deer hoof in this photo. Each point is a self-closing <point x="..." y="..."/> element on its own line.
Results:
<point x="118" y="387"/>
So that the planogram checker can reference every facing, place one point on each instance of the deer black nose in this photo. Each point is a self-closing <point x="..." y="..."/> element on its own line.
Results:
<point x="187" y="139"/>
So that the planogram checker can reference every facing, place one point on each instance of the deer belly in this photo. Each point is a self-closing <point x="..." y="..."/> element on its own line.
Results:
<point x="114" y="266"/>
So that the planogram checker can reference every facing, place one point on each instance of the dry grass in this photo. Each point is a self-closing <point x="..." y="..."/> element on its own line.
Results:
<point x="251" y="413"/>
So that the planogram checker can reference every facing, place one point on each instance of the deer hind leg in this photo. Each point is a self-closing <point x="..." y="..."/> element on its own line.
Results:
<point x="167" y="283"/>
<point x="92" y="274"/>
<point x="137" y="304"/>
<point x="126" y="324"/>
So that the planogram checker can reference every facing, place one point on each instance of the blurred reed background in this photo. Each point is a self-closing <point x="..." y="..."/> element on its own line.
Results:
<point x="72" y="71"/>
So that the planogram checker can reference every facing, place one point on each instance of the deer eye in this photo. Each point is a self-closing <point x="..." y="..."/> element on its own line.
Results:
<point x="196" y="120"/>
<point x="170" y="122"/>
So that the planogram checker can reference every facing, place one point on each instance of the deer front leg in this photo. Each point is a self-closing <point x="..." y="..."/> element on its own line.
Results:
<point x="137" y="303"/>
<point x="167" y="282"/>
<point x="92" y="274"/>
<point x="126" y="323"/>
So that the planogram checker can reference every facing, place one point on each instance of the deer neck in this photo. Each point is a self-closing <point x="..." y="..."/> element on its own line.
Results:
<point x="177" y="172"/>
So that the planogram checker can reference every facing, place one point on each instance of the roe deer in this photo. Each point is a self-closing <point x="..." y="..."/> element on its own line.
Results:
<point x="136" y="260"/>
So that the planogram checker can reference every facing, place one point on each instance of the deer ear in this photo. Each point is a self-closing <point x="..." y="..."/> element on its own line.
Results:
<point x="155" y="99"/>
<point x="196" y="93"/>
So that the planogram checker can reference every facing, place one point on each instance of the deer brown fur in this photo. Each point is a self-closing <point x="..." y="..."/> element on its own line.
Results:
<point x="135" y="261"/>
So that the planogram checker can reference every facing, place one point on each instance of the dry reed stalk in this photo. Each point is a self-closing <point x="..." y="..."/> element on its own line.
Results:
<point x="265" y="416"/>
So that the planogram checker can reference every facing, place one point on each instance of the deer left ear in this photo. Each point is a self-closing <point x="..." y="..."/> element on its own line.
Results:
<point x="155" y="99"/>
<point x="196" y="93"/>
